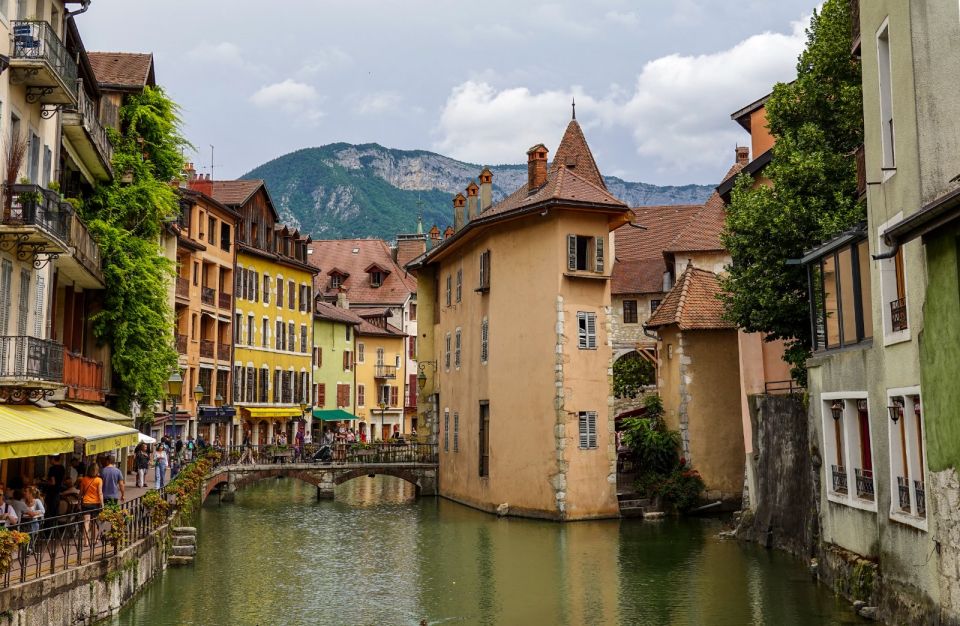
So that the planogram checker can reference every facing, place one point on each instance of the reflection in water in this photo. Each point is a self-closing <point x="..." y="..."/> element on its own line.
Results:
<point x="377" y="556"/>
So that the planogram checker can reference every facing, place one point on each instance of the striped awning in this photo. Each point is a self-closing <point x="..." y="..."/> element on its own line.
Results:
<point x="98" y="435"/>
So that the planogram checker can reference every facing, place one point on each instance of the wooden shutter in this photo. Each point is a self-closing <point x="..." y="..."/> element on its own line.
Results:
<point x="346" y="362"/>
<point x="459" y="285"/>
<point x="588" y="429"/>
<point x="361" y="395"/>
<point x="582" y="423"/>
<point x="581" y="330"/>
<point x="591" y="330"/>
<point x="23" y="310"/>
<point x="394" y="395"/>
<point x="449" y="281"/>
<point x="321" y="395"/>
<point x="456" y="431"/>
<point x="598" y="255"/>
<point x="238" y="282"/>
<point x="484" y="337"/>
<point x="446" y="430"/>
<point x="572" y="253"/>
<point x="458" y="348"/>
<point x="319" y="357"/>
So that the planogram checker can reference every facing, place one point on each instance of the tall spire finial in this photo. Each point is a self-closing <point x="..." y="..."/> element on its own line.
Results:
<point x="573" y="103"/>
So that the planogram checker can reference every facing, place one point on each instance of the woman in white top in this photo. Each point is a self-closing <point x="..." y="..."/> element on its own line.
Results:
<point x="33" y="510"/>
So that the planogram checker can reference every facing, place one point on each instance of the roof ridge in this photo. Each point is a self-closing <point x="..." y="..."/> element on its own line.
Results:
<point x="684" y="291"/>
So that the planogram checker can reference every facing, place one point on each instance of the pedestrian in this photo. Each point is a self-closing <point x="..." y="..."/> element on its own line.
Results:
<point x="8" y="516"/>
<point x="190" y="447"/>
<point x="55" y="476"/>
<point x="33" y="512"/>
<point x="160" y="466"/>
<point x="91" y="499"/>
<point x="113" y="483"/>
<point x="141" y="462"/>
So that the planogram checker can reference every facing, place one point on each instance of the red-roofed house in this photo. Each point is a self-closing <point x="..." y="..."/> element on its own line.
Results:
<point x="515" y="321"/>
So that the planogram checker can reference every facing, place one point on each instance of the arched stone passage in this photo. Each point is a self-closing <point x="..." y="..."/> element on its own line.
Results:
<point x="405" y="475"/>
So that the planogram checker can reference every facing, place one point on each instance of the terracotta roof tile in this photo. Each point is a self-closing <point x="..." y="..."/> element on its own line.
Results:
<point x="692" y="304"/>
<point x="122" y="69"/>
<point x="637" y="276"/>
<point x="574" y="153"/>
<point x="339" y="254"/>
<point x="333" y="313"/>
<point x="562" y="185"/>
<point x="235" y="192"/>
<point x="703" y="232"/>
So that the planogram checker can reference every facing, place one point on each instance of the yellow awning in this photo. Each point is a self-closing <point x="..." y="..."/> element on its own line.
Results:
<point x="22" y="437"/>
<point x="100" y="412"/>
<point x="99" y="435"/>
<point x="274" y="411"/>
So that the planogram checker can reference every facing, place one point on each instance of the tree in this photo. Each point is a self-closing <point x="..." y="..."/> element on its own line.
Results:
<point x="631" y="373"/>
<point x="127" y="218"/>
<point x="817" y="122"/>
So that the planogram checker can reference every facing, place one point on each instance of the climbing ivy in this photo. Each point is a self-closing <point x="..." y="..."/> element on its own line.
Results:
<point x="126" y="216"/>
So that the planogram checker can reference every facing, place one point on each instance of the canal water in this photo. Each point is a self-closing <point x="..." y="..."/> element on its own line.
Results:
<point x="377" y="556"/>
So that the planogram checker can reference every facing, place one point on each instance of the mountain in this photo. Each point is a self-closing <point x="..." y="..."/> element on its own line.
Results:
<point x="342" y="190"/>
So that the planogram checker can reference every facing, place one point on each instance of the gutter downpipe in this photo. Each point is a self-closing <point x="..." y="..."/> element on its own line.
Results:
<point x="84" y="6"/>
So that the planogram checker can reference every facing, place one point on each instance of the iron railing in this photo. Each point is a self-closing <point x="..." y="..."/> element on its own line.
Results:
<point x="86" y="250"/>
<point x="864" y="479"/>
<point x="225" y="301"/>
<point x="898" y="314"/>
<point x="36" y="40"/>
<point x="183" y="287"/>
<point x="223" y="351"/>
<point x="90" y="121"/>
<point x="839" y="475"/>
<point x="83" y="378"/>
<point x="778" y="387"/>
<point x="208" y="295"/>
<point x="377" y="453"/>
<point x="903" y="491"/>
<point x="920" y="494"/>
<point x="385" y="371"/>
<point x="206" y="348"/>
<point x="32" y="358"/>
<point x="32" y="205"/>
<point x="182" y="344"/>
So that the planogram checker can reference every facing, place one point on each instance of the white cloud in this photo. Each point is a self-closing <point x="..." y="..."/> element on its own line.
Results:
<point x="291" y="97"/>
<point x="325" y="60"/>
<point x="377" y="103"/>
<point x="677" y="112"/>
<point x="223" y="53"/>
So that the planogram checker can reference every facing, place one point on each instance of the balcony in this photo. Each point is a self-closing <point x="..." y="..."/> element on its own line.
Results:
<point x="225" y="301"/>
<point x="182" y="344"/>
<point x="898" y="314"/>
<point x="206" y="348"/>
<point x="183" y="288"/>
<point x="385" y="371"/>
<point x="82" y="126"/>
<point x="903" y="493"/>
<point x="921" y="495"/>
<point x="839" y="476"/>
<point x="208" y="295"/>
<point x="35" y="222"/>
<point x="30" y="360"/>
<point x="864" y="483"/>
<point x="223" y="352"/>
<point x="83" y="378"/>
<point x="40" y="61"/>
<point x="861" y="162"/>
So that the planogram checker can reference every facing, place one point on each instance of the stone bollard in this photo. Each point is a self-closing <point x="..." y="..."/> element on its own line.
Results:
<point x="184" y="546"/>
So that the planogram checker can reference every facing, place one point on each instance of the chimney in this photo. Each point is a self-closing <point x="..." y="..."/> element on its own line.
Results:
<point x="189" y="172"/>
<point x="536" y="167"/>
<point x="448" y="232"/>
<point x="472" y="200"/>
<point x="486" y="189"/>
<point x="458" y="202"/>
<point x="434" y="236"/>
<point x="203" y="184"/>
<point x="743" y="155"/>
<point x="342" y="301"/>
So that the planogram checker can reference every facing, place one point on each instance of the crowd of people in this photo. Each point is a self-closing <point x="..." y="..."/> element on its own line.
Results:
<point x="167" y="454"/>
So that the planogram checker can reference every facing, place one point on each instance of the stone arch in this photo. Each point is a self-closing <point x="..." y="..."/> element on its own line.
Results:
<point x="213" y="482"/>
<point x="249" y="477"/>
<point x="406" y="475"/>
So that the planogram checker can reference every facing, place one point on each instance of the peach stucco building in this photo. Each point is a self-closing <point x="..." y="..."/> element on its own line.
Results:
<point x="515" y="345"/>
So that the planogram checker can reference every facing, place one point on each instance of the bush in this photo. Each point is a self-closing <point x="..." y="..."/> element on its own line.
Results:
<point x="681" y="489"/>
<point x="654" y="448"/>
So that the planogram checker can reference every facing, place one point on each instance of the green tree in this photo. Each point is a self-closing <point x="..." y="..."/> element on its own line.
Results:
<point x="631" y="373"/>
<point x="126" y="217"/>
<point x="817" y="122"/>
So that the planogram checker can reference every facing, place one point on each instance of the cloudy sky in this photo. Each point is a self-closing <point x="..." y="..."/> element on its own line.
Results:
<point x="655" y="81"/>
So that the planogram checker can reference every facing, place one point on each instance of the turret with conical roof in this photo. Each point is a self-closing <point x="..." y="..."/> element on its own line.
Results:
<point x="574" y="154"/>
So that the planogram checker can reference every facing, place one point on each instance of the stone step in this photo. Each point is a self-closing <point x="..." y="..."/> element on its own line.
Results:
<point x="184" y="550"/>
<point x="654" y="515"/>
<point x="184" y="540"/>
<point x="632" y="512"/>
<point x="633" y="504"/>
<point x="184" y="530"/>
<point x="179" y="561"/>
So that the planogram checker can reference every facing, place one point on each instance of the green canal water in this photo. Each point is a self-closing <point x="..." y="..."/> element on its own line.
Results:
<point x="377" y="556"/>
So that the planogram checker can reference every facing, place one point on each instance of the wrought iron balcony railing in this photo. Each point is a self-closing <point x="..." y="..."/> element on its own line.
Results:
<point x="32" y="205"/>
<point x="35" y="40"/>
<point x="903" y="493"/>
<point x="183" y="287"/>
<point x="206" y="348"/>
<point x="225" y="301"/>
<point x="898" y="314"/>
<point x="31" y="358"/>
<point x="208" y="295"/>
<point x="839" y="478"/>
<point x="223" y="352"/>
<point x="385" y="371"/>
<point x="864" y="483"/>
<point x="182" y="344"/>
<point x="86" y="250"/>
<point x="921" y="495"/>
<point x="85" y="116"/>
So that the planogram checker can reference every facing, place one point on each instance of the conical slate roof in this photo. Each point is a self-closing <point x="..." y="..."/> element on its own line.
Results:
<point x="574" y="154"/>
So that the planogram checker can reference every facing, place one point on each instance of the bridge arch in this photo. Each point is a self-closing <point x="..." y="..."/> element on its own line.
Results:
<point x="402" y="474"/>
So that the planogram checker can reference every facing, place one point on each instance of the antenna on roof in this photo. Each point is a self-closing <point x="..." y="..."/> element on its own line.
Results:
<point x="573" y="103"/>
<point x="211" y="161"/>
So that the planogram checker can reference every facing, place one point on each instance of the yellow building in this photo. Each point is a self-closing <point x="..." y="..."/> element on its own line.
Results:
<point x="273" y="318"/>
<point x="380" y="368"/>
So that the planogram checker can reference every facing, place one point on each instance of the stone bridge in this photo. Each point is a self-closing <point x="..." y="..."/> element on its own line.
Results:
<point x="229" y="478"/>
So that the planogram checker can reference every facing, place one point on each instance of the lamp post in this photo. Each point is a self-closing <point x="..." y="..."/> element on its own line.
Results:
<point x="197" y="396"/>
<point x="303" y="420"/>
<point x="383" y="411"/>
<point x="174" y="389"/>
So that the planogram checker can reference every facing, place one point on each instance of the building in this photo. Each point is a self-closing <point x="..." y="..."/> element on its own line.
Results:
<point x="515" y="317"/>
<point x="380" y="358"/>
<point x="204" y="311"/>
<point x="334" y="379"/>
<point x="366" y="271"/>
<point x="273" y="317"/>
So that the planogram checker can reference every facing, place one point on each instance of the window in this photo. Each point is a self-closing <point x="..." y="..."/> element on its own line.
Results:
<point x="893" y="287"/>
<point x="446" y="352"/>
<point x="278" y="340"/>
<point x="346" y="332"/>
<point x="280" y="292"/>
<point x="457" y="351"/>
<point x="251" y="384"/>
<point x="587" y="330"/>
<point x="459" y="285"/>
<point x="277" y="386"/>
<point x="848" y="451"/>
<point x="630" y="311"/>
<point x="587" y="421"/>
<point x="379" y="356"/>
<point x="413" y="311"/>
<point x="446" y="430"/>
<point x="841" y="308"/>
<point x="212" y="228"/>
<point x="484" y="438"/>
<point x="484" y="271"/>
<point x="291" y="296"/>
<point x="265" y="333"/>
<point x="654" y="305"/>
<point x="360" y="353"/>
<point x="585" y="253"/>
<point x="907" y="463"/>
<point x="412" y="348"/>
<point x="225" y="241"/>
<point x="335" y="281"/>
<point x="384" y="397"/>
<point x="347" y="360"/>
<point x="264" y="389"/>
<point x="291" y="336"/>
<point x="303" y="338"/>
<point x="484" y="340"/>
<point x="376" y="278"/>
<point x="886" y="98"/>
<point x="321" y="395"/>
<point x="266" y="289"/>
<point x="196" y="274"/>
<point x="449" y="288"/>
<point x="237" y="375"/>
<point x="361" y="395"/>
<point x="38" y="308"/>
<point x="343" y="396"/>
<point x="456" y="431"/>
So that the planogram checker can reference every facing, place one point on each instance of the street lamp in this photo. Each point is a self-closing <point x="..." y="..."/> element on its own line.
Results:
<point x="218" y="401"/>
<point x="174" y="389"/>
<point x="383" y="410"/>
<point x="198" y="393"/>
<point x="422" y="374"/>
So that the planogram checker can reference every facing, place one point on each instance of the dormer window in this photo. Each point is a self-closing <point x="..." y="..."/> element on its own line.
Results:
<point x="377" y="274"/>
<point x="335" y="281"/>
<point x="376" y="278"/>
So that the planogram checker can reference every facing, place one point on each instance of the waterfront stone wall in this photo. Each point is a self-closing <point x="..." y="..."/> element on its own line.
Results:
<point x="86" y="594"/>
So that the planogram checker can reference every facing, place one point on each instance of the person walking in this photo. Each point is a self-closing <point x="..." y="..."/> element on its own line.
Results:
<point x="54" y="483"/>
<point x="141" y="463"/>
<point x="113" y="483"/>
<point x="160" y="466"/>
<point x="91" y="499"/>
<point x="190" y="447"/>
